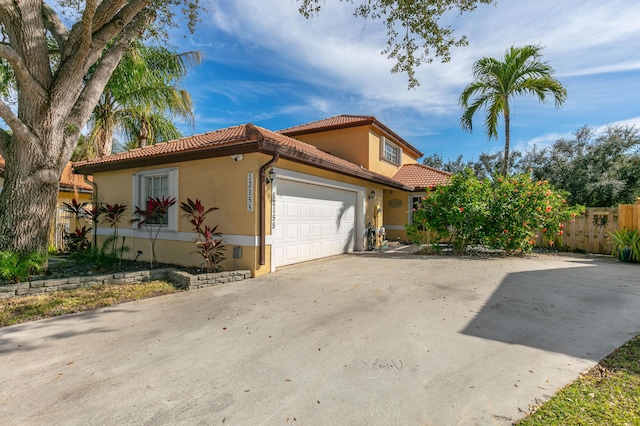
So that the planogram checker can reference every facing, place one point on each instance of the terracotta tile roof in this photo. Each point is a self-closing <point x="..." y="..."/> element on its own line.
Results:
<point x="68" y="181"/>
<point x="338" y="121"/>
<point x="346" y="121"/>
<point x="72" y="182"/>
<point x="224" y="137"/>
<point x="420" y="176"/>
<point x="247" y="136"/>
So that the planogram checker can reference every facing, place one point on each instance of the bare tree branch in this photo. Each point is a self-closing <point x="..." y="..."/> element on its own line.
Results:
<point x="108" y="63"/>
<point x="24" y="77"/>
<point x="53" y="23"/>
<point x="121" y="21"/>
<point x="87" y="27"/>
<point x="16" y="125"/>
<point x="105" y="11"/>
<point x="98" y="40"/>
<point x="7" y="8"/>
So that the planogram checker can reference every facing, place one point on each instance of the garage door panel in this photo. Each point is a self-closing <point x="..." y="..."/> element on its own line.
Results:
<point x="304" y="210"/>
<point x="291" y="209"/>
<point x="315" y="222"/>
<point x="291" y="231"/>
<point x="305" y="230"/>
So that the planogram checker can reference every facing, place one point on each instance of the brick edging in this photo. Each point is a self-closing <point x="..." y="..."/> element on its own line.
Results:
<point x="179" y="278"/>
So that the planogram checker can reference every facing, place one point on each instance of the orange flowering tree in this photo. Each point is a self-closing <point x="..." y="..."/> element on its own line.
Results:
<point x="504" y="213"/>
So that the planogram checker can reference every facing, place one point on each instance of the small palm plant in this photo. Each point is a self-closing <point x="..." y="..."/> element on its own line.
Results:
<point x="113" y="215"/>
<point x="209" y="241"/>
<point x="626" y="244"/>
<point x="77" y="209"/>
<point x="152" y="218"/>
<point x="210" y="248"/>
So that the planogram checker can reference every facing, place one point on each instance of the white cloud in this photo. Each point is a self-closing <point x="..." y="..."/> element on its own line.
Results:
<point x="334" y="66"/>
<point x="339" y="51"/>
<point x="635" y="122"/>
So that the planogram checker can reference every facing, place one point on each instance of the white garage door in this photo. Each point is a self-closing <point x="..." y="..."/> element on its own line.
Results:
<point x="312" y="221"/>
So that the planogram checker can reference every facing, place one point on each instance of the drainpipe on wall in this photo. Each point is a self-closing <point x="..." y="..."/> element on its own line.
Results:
<point x="263" y="206"/>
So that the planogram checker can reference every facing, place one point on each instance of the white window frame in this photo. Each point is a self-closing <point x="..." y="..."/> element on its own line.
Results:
<point x="395" y="148"/>
<point x="139" y="191"/>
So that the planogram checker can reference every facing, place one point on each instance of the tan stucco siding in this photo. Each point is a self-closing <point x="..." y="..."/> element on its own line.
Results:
<point x="396" y="213"/>
<point x="219" y="182"/>
<point x="67" y="196"/>
<point x="350" y="144"/>
<point x="408" y="159"/>
<point x="377" y="163"/>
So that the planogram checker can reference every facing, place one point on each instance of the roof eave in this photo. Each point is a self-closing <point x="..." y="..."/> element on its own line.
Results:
<point x="299" y="157"/>
<point x="171" y="157"/>
<point x="71" y="189"/>
<point x="406" y="144"/>
<point x="264" y="146"/>
<point x="367" y="121"/>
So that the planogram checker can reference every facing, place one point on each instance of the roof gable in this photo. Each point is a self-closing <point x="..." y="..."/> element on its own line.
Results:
<point x="347" y="121"/>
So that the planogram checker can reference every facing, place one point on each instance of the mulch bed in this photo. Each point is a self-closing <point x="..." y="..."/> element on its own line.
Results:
<point x="64" y="267"/>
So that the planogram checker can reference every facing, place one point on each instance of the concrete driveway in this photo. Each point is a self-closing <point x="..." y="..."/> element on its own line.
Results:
<point x="352" y="340"/>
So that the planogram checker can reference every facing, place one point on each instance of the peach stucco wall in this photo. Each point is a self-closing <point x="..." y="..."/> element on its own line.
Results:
<point x="350" y="144"/>
<point x="360" y="145"/>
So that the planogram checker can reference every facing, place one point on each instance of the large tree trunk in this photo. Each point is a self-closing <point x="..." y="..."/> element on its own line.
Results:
<point x="29" y="201"/>
<point x="31" y="185"/>
<point x="53" y="104"/>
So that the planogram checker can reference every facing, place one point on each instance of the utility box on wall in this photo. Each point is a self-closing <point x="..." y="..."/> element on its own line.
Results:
<point x="237" y="252"/>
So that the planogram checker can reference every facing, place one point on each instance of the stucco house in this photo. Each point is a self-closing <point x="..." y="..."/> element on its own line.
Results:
<point x="303" y="193"/>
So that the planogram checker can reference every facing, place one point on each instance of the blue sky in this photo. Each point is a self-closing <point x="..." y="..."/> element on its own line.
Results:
<point x="265" y="64"/>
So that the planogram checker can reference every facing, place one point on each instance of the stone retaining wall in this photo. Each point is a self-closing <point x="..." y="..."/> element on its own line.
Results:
<point x="181" y="279"/>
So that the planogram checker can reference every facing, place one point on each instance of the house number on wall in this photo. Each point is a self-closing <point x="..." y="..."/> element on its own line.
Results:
<point x="273" y="210"/>
<point x="250" y="192"/>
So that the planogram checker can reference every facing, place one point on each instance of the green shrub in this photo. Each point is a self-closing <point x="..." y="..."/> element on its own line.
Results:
<point x="626" y="239"/>
<point x="105" y="257"/>
<point x="502" y="213"/>
<point x="17" y="267"/>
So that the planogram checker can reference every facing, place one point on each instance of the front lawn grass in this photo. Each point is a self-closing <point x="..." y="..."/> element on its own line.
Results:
<point x="608" y="394"/>
<point x="30" y="308"/>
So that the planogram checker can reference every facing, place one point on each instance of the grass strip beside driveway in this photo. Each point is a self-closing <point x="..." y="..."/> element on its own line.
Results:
<point x="30" y="308"/>
<point x="608" y="394"/>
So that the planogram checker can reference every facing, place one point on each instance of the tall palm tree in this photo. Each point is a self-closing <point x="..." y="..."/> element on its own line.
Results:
<point x="139" y="98"/>
<point x="521" y="73"/>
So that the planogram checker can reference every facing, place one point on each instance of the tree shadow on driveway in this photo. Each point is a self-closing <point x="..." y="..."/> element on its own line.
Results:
<point x="584" y="311"/>
<point x="17" y="337"/>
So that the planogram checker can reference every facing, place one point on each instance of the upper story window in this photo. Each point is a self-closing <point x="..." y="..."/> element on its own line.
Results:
<point x="157" y="184"/>
<point x="390" y="151"/>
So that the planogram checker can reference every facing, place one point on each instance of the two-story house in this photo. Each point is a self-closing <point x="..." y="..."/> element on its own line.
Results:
<point x="303" y="193"/>
<point x="366" y="141"/>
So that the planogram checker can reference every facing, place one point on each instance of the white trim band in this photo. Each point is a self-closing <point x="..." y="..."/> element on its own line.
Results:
<point x="232" y="240"/>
